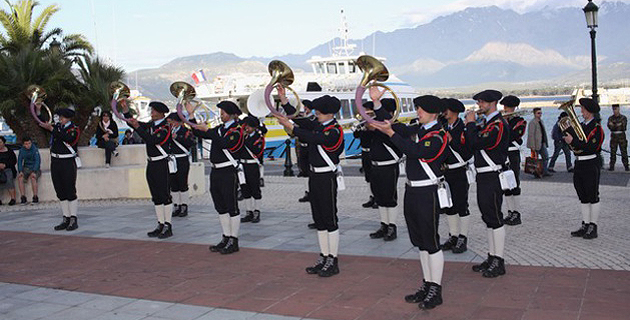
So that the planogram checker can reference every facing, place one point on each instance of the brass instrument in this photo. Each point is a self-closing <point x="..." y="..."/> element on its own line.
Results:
<point x="185" y="93"/>
<point x="516" y="113"/>
<point x="120" y="92"/>
<point x="281" y="74"/>
<point x="360" y="124"/>
<point x="37" y="95"/>
<point x="572" y="121"/>
<point x="373" y="70"/>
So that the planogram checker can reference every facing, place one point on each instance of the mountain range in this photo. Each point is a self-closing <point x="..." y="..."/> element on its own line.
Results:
<point x="548" y="47"/>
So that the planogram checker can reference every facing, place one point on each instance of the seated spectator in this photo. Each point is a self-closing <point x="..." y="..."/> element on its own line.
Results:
<point x="28" y="164"/>
<point x="107" y="137"/>
<point x="7" y="166"/>
<point x="130" y="138"/>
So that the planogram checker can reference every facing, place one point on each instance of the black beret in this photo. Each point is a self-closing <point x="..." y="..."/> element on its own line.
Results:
<point x="327" y="104"/>
<point x="369" y="105"/>
<point x="308" y="104"/>
<point x="251" y="121"/>
<point x="174" y="116"/>
<point x="389" y="104"/>
<point x="590" y="105"/>
<point x="488" y="95"/>
<point x="429" y="103"/>
<point x="65" y="112"/>
<point x="453" y="105"/>
<point x="229" y="107"/>
<point x="159" y="106"/>
<point x="511" y="101"/>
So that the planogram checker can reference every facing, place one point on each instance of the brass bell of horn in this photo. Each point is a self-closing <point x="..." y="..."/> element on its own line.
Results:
<point x="281" y="74"/>
<point x="373" y="71"/>
<point x="37" y="94"/>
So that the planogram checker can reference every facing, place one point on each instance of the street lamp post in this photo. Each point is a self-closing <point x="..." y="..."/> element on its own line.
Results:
<point x="590" y="10"/>
<point x="55" y="47"/>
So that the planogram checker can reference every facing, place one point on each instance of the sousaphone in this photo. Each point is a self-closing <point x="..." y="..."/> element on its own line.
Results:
<point x="37" y="95"/>
<point x="281" y="74"/>
<point x="373" y="71"/>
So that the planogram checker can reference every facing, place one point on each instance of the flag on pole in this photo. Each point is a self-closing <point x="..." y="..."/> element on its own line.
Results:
<point x="198" y="77"/>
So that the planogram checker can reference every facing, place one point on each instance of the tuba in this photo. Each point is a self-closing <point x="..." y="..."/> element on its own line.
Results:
<point x="185" y="93"/>
<point x="373" y="70"/>
<point x="37" y="95"/>
<point x="120" y="93"/>
<point x="281" y="74"/>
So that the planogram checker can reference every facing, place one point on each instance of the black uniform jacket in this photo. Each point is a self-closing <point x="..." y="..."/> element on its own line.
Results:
<point x="230" y="139"/>
<point x="69" y="134"/>
<point x="184" y="137"/>
<point x="430" y="148"/>
<point x="593" y="143"/>
<point x="154" y="134"/>
<point x="255" y="143"/>
<point x="493" y="137"/>
<point x="457" y="142"/>
<point x="518" y="125"/>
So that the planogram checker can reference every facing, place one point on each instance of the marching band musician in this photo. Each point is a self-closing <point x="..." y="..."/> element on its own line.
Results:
<point x="489" y="144"/>
<point x="587" y="168"/>
<point x="252" y="153"/>
<point x="421" y="208"/>
<point x="63" y="166"/>
<point x="458" y="215"/>
<point x="385" y="157"/>
<point x="365" y="138"/>
<point x="227" y="142"/>
<point x="182" y="141"/>
<point x="326" y="143"/>
<point x="157" y="137"/>
<point x="517" y="127"/>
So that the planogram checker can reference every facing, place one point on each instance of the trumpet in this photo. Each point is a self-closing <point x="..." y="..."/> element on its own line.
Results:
<point x="516" y="113"/>
<point x="281" y="74"/>
<point x="37" y="95"/>
<point x="120" y="93"/>
<point x="185" y="93"/>
<point x="373" y="70"/>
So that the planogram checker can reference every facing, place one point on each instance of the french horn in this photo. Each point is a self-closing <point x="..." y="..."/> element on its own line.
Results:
<point x="120" y="92"/>
<point x="185" y="93"/>
<point x="37" y="95"/>
<point x="373" y="71"/>
<point x="281" y="74"/>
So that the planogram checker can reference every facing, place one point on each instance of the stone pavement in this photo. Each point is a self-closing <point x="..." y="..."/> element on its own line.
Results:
<point x="375" y="275"/>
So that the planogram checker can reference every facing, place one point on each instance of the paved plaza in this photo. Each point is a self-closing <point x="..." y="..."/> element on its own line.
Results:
<point x="109" y="269"/>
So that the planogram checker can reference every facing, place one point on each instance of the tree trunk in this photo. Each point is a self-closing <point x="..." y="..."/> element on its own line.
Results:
<point x="26" y="126"/>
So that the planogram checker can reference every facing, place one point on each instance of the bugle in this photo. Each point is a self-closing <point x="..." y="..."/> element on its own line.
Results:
<point x="373" y="70"/>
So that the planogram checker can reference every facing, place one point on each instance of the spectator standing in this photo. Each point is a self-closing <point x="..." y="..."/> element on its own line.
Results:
<point x="560" y="145"/>
<point x="28" y="164"/>
<point x="537" y="139"/>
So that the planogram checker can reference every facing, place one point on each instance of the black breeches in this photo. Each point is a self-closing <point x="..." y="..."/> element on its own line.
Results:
<point x="421" y="210"/>
<point x="490" y="199"/>
<point x="64" y="178"/>
<point x="109" y="147"/>
<point x="366" y="164"/>
<point x="384" y="185"/>
<point x="223" y="186"/>
<point x="323" y="193"/>
<point x="158" y="180"/>
<point x="251" y="188"/>
<point x="586" y="180"/>
<point x="458" y="183"/>
<point x="179" y="180"/>
<point x="515" y="165"/>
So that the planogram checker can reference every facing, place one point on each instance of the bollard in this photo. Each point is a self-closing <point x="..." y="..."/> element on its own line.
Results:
<point x="288" y="164"/>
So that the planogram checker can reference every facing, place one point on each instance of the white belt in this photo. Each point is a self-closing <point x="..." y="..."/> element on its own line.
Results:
<point x="322" y="169"/>
<point x="62" y="156"/>
<point x="423" y="183"/>
<point x="181" y="155"/>
<point x="488" y="169"/>
<point x="514" y="147"/>
<point x="617" y="132"/>
<point x="583" y="158"/>
<point x="455" y="165"/>
<point x="158" y="158"/>
<point x="365" y="149"/>
<point x="249" y="161"/>
<point x="384" y="163"/>
<point x="221" y="165"/>
<point x="303" y="144"/>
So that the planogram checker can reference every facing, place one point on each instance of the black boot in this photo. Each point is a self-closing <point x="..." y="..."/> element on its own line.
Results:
<point x="220" y="245"/>
<point x="433" y="298"/>
<point x="157" y="231"/>
<point x="391" y="233"/>
<point x="314" y="269"/>
<point x="450" y="243"/>
<point x="579" y="232"/>
<point x="462" y="245"/>
<point x="508" y="219"/>
<point x="305" y="198"/>
<point x="183" y="210"/>
<point x="495" y="268"/>
<point x="380" y="233"/>
<point x="484" y="265"/>
<point x="256" y="216"/>
<point x="419" y="295"/>
<point x="73" y="225"/>
<point x="330" y="268"/>
<point x="369" y="203"/>
<point x="231" y="246"/>
<point x="248" y="216"/>
<point x="591" y="231"/>
<point x="176" y="210"/>
<point x="64" y="224"/>
<point x="167" y="231"/>
<point x="312" y="225"/>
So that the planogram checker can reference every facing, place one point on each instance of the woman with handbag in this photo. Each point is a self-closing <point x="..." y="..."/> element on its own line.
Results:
<point x="7" y="169"/>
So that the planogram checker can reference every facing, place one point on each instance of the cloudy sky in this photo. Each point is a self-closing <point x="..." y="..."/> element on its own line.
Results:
<point x="148" y="33"/>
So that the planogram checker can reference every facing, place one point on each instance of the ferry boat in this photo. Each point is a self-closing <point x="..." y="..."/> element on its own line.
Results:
<point x="336" y="75"/>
